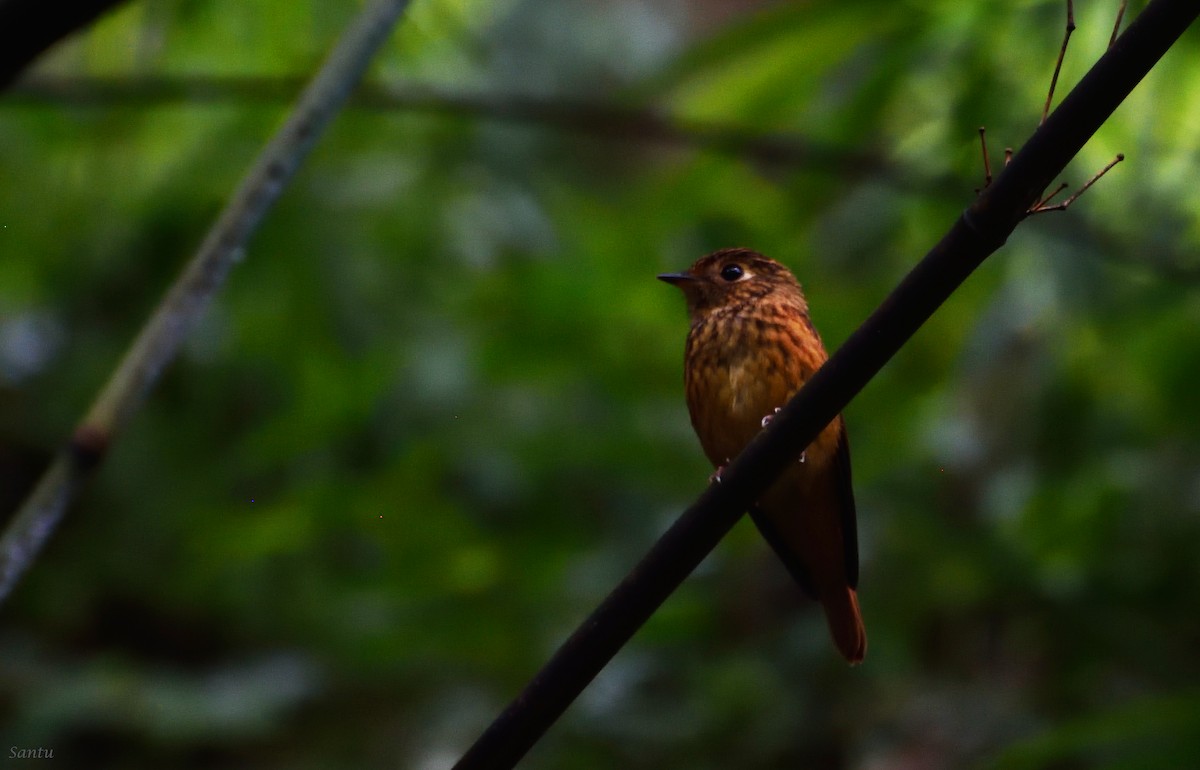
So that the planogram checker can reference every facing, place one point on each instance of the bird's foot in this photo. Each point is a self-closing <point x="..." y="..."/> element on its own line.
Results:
<point x="767" y="419"/>
<point x="716" y="475"/>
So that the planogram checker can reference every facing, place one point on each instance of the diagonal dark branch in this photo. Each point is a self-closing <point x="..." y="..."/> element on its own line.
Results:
<point x="981" y="229"/>
<point x="190" y="295"/>
<point x="29" y="27"/>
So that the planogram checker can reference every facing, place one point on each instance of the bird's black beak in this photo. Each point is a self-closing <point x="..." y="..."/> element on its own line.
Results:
<point x="676" y="279"/>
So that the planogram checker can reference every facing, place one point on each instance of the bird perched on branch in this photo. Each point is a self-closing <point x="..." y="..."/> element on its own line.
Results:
<point x="750" y="348"/>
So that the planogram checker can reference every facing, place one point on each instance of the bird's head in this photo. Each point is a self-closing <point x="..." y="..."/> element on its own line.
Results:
<point x="734" y="277"/>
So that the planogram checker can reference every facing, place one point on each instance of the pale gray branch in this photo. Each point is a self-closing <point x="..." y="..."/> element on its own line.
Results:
<point x="189" y="297"/>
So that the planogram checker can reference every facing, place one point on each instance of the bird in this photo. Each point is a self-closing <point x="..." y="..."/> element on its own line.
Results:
<point x="750" y="347"/>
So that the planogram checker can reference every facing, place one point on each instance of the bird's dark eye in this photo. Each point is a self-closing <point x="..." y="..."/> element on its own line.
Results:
<point x="732" y="272"/>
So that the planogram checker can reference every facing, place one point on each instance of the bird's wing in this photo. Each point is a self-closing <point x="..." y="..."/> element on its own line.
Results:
<point x="789" y="557"/>
<point x="845" y="493"/>
<point x="790" y="538"/>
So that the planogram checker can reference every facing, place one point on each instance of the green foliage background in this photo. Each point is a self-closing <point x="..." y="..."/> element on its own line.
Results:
<point x="438" y="411"/>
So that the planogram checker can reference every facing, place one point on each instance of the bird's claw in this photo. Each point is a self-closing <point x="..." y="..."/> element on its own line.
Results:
<point x="716" y="475"/>
<point x="766" y="420"/>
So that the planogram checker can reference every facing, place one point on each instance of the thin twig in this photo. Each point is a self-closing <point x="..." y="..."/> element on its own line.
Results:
<point x="1117" y="24"/>
<point x="1062" y="52"/>
<point x="987" y="164"/>
<point x="190" y="295"/>
<point x="1041" y="208"/>
<point x="1041" y="203"/>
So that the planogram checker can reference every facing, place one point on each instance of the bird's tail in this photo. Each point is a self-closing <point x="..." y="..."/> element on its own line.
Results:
<point x="845" y="622"/>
